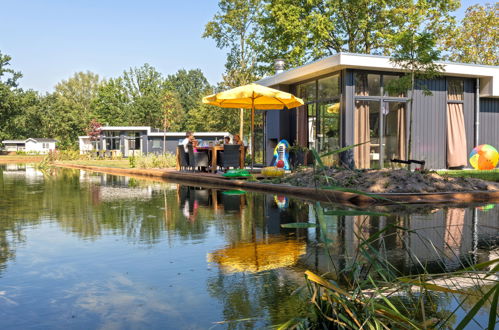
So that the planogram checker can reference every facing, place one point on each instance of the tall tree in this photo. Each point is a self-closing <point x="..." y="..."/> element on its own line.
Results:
<point x="144" y="87"/>
<point x="78" y="92"/>
<point x="112" y="103"/>
<point x="476" y="39"/>
<point x="8" y="90"/>
<point x="72" y="107"/>
<point x="235" y="27"/>
<point x="303" y="30"/>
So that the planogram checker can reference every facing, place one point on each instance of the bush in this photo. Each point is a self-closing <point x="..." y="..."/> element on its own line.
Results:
<point x="58" y="155"/>
<point x="154" y="161"/>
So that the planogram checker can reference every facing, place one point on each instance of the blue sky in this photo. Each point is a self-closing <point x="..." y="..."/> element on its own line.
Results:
<point x="51" y="40"/>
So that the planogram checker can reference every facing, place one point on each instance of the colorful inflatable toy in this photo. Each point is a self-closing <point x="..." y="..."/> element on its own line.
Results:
<point x="236" y="173"/>
<point x="484" y="157"/>
<point x="272" y="171"/>
<point x="281" y="153"/>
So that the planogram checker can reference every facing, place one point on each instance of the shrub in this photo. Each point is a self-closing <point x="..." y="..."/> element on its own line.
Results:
<point x="155" y="161"/>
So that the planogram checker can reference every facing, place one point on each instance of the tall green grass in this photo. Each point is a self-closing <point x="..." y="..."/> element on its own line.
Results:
<point x="369" y="292"/>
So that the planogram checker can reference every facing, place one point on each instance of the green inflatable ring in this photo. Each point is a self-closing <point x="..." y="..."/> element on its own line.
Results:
<point x="234" y="192"/>
<point x="236" y="173"/>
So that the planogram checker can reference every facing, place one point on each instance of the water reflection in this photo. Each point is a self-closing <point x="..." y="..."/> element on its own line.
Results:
<point x="87" y="250"/>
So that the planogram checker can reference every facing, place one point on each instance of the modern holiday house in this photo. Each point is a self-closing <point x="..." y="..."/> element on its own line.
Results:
<point x="30" y="145"/>
<point x="347" y="103"/>
<point x="135" y="140"/>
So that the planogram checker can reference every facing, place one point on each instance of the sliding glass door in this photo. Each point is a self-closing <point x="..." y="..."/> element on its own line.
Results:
<point x="379" y="121"/>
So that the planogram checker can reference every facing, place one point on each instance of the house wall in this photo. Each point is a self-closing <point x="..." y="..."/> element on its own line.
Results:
<point x="173" y="141"/>
<point x="429" y="119"/>
<point x="489" y="122"/>
<point x="14" y="147"/>
<point x="32" y="146"/>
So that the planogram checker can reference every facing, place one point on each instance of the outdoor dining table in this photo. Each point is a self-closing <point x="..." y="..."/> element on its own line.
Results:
<point x="214" y="156"/>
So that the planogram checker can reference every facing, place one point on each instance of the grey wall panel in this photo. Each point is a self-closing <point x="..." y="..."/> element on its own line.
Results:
<point x="489" y="122"/>
<point x="429" y="123"/>
<point x="469" y="112"/>
<point x="347" y="132"/>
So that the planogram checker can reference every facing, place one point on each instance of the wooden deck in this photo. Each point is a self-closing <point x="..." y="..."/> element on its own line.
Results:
<point x="216" y="181"/>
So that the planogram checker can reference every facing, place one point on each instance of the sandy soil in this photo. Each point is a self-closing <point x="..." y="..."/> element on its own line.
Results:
<point x="7" y="159"/>
<point x="388" y="181"/>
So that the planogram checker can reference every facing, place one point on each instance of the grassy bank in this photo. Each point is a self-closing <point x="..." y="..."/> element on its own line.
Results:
<point x="492" y="175"/>
<point x="118" y="163"/>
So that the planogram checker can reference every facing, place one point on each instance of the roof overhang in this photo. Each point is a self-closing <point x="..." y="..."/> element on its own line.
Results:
<point x="488" y="75"/>
<point x="14" y="141"/>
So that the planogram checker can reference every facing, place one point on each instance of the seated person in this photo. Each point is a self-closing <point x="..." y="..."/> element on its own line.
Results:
<point x="227" y="140"/>
<point x="237" y="140"/>
<point x="189" y="138"/>
<point x="195" y="144"/>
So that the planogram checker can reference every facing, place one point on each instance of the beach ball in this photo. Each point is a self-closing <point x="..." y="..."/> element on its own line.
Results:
<point x="484" y="157"/>
<point x="280" y="164"/>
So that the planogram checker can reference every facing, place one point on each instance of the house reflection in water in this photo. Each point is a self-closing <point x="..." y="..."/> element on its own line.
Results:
<point x="440" y="240"/>
<point x="190" y="199"/>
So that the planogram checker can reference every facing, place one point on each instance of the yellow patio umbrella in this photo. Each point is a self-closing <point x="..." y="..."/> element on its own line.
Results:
<point x="258" y="256"/>
<point x="253" y="96"/>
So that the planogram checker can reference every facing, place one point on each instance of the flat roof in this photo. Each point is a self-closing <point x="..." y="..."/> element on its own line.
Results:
<point x="488" y="74"/>
<point x="14" y="141"/>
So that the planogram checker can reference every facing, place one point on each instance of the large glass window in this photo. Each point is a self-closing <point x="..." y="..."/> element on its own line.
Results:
<point x="312" y="125"/>
<point x="112" y="140"/>
<point x="367" y="84"/>
<point x="322" y="103"/>
<point x="380" y="121"/>
<point x="328" y="136"/>
<point x="329" y="88"/>
<point x="308" y="91"/>
<point x="392" y="81"/>
<point x="394" y="131"/>
<point x="259" y="137"/>
<point x="455" y="90"/>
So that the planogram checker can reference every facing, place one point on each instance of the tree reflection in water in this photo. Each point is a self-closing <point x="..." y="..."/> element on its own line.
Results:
<point x="91" y="206"/>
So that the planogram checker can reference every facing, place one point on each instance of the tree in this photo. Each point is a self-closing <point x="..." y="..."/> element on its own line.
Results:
<point x="93" y="130"/>
<point x="415" y="52"/>
<point x="190" y="86"/>
<point x="112" y="103"/>
<point x="475" y="40"/>
<point x="72" y="106"/>
<point x="8" y="94"/>
<point x="144" y="88"/>
<point x="300" y="31"/>
<point x="234" y="27"/>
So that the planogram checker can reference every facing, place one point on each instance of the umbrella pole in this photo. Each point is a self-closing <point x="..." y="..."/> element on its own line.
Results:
<point x="241" y="124"/>
<point x="252" y="133"/>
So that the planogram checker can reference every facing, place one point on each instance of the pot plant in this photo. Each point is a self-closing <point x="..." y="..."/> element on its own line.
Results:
<point x="297" y="155"/>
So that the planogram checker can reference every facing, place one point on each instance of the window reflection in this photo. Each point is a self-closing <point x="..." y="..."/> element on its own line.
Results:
<point x="367" y="84"/>
<point x="455" y="89"/>
<point x="329" y="87"/>
<point x="307" y="91"/>
<point x="390" y="86"/>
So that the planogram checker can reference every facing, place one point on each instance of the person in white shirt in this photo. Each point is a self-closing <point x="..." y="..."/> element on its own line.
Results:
<point x="188" y="139"/>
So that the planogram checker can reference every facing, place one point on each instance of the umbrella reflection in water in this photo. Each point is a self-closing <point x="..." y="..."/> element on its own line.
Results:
<point x="259" y="256"/>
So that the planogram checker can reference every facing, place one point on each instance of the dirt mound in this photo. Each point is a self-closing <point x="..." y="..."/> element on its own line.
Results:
<point x="387" y="181"/>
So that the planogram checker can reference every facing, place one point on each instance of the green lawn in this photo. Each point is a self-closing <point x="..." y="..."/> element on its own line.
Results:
<point x="122" y="163"/>
<point x="491" y="175"/>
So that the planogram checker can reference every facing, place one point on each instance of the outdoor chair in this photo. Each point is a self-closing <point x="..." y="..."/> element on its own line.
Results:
<point x="197" y="159"/>
<point x="230" y="156"/>
<point x="183" y="158"/>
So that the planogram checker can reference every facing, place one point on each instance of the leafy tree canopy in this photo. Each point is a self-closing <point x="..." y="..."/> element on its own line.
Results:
<point x="476" y="39"/>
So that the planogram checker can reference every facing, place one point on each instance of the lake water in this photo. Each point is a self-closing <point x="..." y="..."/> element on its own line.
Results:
<point x="82" y="250"/>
